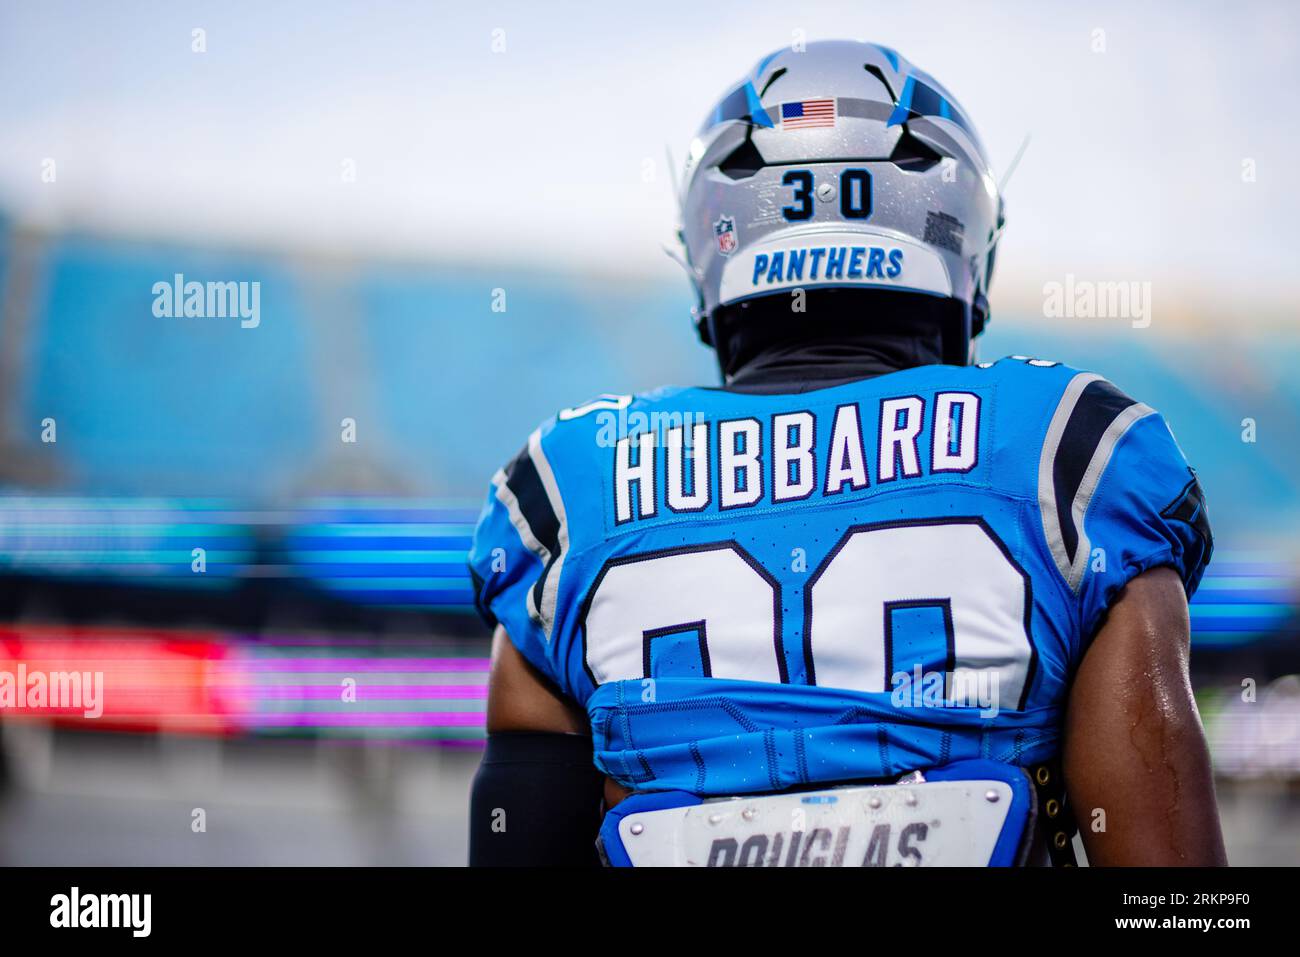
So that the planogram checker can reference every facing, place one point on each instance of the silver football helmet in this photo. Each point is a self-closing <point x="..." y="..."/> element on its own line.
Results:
<point x="840" y="166"/>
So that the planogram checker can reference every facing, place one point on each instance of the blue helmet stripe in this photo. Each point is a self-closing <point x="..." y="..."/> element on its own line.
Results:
<point x="890" y="55"/>
<point x="921" y="99"/>
<point x="740" y="103"/>
<point x="903" y="111"/>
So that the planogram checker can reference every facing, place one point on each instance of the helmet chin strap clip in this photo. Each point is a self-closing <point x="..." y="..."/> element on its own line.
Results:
<point x="703" y="326"/>
<point x="979" y="314"/>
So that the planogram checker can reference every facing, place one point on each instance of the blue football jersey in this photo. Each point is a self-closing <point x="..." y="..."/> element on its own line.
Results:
<point x="754" y="592"/>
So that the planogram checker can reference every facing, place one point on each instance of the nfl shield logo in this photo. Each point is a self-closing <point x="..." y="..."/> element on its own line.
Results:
<point x="725" y="230"/>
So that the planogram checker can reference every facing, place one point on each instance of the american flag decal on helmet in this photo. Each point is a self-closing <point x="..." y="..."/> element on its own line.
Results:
<point x="807" y="114"/>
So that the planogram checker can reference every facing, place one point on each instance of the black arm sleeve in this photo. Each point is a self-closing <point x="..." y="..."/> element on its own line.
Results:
<point x="536" y="802"/>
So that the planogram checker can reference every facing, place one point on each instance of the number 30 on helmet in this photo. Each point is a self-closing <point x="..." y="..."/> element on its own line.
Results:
<point x="840" y="166"/>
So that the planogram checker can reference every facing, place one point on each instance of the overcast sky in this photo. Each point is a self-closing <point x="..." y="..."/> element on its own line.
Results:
<point x="552" y="152"/>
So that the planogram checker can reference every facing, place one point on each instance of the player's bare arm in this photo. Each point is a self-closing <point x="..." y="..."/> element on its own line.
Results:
<point x="520" y="699"/>
<point x="1136" y="763"/>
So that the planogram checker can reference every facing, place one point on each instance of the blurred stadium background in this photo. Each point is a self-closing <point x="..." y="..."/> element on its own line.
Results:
<point x="327" y="560"/>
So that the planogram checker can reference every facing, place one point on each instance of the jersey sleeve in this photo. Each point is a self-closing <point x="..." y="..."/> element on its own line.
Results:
<point x="1118" y="497"/>
<point x="517" y="542"/>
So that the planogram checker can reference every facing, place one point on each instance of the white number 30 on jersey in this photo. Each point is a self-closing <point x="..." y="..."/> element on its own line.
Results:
<point x="955" y="570"/>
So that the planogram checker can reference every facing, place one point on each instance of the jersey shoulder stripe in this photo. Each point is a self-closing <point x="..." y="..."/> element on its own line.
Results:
<point x="1091" y="418"/>
<point x="520" y="489"/>
<point x="528" y="490"/>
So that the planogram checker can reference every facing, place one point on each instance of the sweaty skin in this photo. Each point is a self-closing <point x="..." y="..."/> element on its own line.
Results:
<point x="1135" y="755"/>
<point x="1134" y="747"/>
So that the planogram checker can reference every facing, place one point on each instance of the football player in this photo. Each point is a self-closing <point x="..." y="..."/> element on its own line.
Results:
<point x="867" y="586"/>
